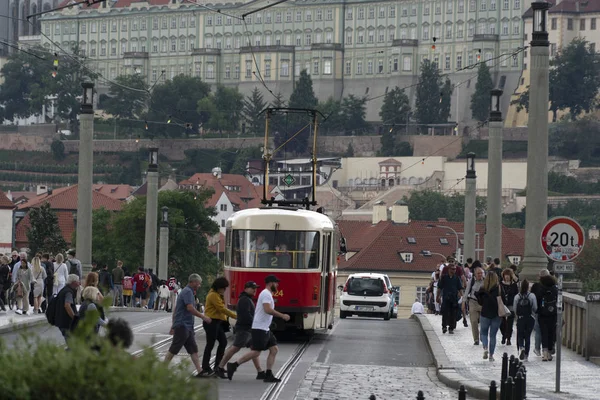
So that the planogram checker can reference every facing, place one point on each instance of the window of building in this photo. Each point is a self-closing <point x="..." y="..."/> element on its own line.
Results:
<point x="361" y="38"/>
<point x="505" y="28"/>
<point x="361" y="13"/>
<point x="268" y="19"/>
<point x="459" y="61"/>
<point x="517" y="28"/>
<point x="298" y="16"/>
<point x="472" y="5"/>
<point x="444" y="241"/>
<point x="411" y="240"/>
<point x="369" y="67"/>
<point x="395" y="65"/>
<point x="285" y="68"/>
<point x="349" y="38"/>
<point x="348" y="69"/>
<point x="426" y="9"/>
<point x="426" y="33"/>
<point x="447" y="61"/>
<point x="308" y="16"/>
<point x="319" y="15"/>
<point x="582" y="24"/>
<point x="593" y="24"/>
<point x="349" y="14"/>
<point x="248" y="69"/>
<point x="371" y="12"/>
<point x="288" y="16"/>
<point x="448" y="31"/>
<point x="438" y="8"/>
<point x="316" y="67"/>
<point x="406" y="257"/>
<point x="514" y="259"/>
<point x="222" y="223"/>
<point x="381" y="37"/>
<point x="406" y="63"/>
<point x="173" y="23"/>
<point x="210" y="71"/>
<point x="329" y="15"/>
<point x="267" y="69"/>
<point x="483" y="5"/>
<point x="359" y="68"/>
<point x="392" y="11"/>
<point x="413" y="11"/>
<point x="422" y="294"/>
<point x="381" y="12"/>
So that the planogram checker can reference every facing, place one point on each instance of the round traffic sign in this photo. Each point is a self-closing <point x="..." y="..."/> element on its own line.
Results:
<point x="562" y="239"/>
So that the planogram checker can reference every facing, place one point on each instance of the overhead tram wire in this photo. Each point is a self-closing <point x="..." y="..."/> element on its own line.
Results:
<point x="259" y="76"/>
<point x="21" y="50"/>
<point x="88" y="3"/>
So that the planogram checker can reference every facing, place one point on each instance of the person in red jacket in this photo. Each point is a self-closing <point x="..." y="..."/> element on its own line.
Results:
<point x="141" y="287"/>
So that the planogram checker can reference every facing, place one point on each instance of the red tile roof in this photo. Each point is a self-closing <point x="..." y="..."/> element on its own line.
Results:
<point x="66" y="224"/>
<point x="117" y="192"/>
<point x="66" y="199"/>
<point x="377" y="247"/>
<point x="248" y="195"/>
<point x="5" y="202"/>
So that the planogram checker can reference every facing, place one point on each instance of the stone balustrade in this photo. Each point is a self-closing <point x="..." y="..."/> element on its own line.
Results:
<point x="581" y="317"/>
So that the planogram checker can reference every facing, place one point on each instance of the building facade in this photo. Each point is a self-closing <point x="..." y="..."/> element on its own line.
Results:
<point x="567" y="20"/>
<point x="350" y="47"/>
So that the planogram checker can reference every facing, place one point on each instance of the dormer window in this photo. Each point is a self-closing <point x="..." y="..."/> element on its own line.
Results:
<point x="444" y="241"/>
<point x="411" y="240"/>
<point x="514" y="259"/>
<point x="407" y="257"/>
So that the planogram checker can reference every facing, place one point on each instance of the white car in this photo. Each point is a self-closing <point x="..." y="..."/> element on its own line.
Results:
<point x="367" y="295"/>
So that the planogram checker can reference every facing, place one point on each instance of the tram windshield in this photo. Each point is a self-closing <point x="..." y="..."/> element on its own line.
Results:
<point x="275" y="249"/>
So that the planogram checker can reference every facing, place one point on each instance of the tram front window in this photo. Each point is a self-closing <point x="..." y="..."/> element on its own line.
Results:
<point x="275" y="249"/>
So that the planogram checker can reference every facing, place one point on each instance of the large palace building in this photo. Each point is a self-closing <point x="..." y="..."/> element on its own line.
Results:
<point x="364" y="48"/>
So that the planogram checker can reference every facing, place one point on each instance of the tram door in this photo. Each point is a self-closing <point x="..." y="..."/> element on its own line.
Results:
<point x="325" y="280"/>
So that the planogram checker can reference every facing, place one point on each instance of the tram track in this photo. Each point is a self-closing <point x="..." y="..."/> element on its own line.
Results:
<point x="285" y="372"/>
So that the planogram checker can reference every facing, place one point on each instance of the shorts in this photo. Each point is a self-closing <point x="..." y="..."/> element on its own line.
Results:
<point x="183" y="337"/>
<point x="141" y="295"/>
<point x="242" y="339"/>
<point x="262" y="340"/>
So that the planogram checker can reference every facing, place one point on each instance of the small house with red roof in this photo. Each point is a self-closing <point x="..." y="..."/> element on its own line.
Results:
<point x="410" y="251"/>
<point x="64" y="202"/>
<point x="6" y="223"/>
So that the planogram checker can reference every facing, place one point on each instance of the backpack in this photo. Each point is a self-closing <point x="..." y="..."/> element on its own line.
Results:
<point x="523" y="306"/>
<point x="51" y="311"/>
<point x="73" y="270"/>
<point x="549" y="300"/>
<point x="127" y="283"/>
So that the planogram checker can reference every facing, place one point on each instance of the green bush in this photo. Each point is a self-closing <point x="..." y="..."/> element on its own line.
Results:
<point x="40" y="370"/>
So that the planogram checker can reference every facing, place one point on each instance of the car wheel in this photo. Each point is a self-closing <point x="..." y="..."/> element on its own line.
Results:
<point x="342" y="315"/>
<point x="387" y="316"/>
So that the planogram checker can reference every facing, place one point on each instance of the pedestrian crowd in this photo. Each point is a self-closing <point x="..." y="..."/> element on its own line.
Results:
<point x="494" y="300"/>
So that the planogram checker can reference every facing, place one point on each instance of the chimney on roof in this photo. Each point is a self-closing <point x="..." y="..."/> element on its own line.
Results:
<point x="442" y="220"/>
<point x="217" y="172"/>
<point x="400" y="213"/>
<point x="41" y="189"/>
<point x="380" y="212"/>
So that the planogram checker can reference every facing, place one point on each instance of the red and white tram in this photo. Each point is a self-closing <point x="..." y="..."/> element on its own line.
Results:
<point x="300" y="247"/>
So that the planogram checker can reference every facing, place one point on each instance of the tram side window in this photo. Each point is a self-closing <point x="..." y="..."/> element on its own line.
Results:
<point x="275" y="249"/>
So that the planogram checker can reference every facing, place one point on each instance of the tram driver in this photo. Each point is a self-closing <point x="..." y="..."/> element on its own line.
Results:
<point x="258" y="247"/>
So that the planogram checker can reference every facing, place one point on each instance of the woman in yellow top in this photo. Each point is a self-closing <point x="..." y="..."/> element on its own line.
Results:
<point x="217" y="311"/>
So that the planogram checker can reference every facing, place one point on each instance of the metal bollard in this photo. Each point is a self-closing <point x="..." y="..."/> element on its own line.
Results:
<point x="509" y="389"/>
<point x="524" y="373"/>
<point x="420" y="395"/>
<point x="518" y="390"/>
<point x="504" y="373"/>
<point x="493" y="391"/>
<point x="372" y="397"/>
<point x="462" y="393"/>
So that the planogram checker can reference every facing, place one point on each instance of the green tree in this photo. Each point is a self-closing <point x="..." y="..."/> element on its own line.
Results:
<point x="303" y="96"/>
<point x="333" y="122"/>
<point x="574" y="80"/>
<point x="190" y="224"/>
<point x="58" y="150"/>
<point x="429" y="205"/>
<point x="353" y="110"/>
<point x="433" y="96"/>
<point x="176" y="100"/>
<point x="103" y="247"/>
<point x="404" y="149"/>
<point x="128" y="95"/>
<point x="223" y="110"/>
<point x="349" y="150"/>
<point x="480" y="100"/>
<point x="588" y="270"/>
<point x="241" y="161"/>
<point x="253" y="106"/>
<point x="394" y="115"/>
<point x="43" y="233"/>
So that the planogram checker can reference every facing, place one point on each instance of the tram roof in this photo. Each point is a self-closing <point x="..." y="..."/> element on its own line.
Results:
<point x="287" y="218"/>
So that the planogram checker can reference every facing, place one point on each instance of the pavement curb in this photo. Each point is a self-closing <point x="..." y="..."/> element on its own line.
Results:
<point x="446" y="372"/>
<point x="17" y="325"/>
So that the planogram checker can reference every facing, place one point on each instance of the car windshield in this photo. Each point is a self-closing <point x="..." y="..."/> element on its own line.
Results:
<point x="365" y="286"/>
<point x="275" y="249"/>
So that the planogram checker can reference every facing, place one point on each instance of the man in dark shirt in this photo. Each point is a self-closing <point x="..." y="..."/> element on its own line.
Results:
<point x="450" y="290"/>
<point x="243" y="330"/>
<point x="49" y="283"/>
<point x="66" y="312"/>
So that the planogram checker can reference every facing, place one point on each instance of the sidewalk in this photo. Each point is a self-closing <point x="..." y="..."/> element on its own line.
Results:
<point x="459" y="362"/>
<point x="11" y="321"/>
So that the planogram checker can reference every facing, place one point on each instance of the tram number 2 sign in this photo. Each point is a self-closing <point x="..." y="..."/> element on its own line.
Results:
<point x="562" y="239"/>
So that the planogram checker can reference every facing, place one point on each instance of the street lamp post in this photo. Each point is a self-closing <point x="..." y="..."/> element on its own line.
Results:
<point x="537" y="145"/>
<point x="85" y="178"/>
<point x="470" y="207"/>
<point x="163" y="250"/>
<point x="493" y="237"/>
<point x="151" y="209"/>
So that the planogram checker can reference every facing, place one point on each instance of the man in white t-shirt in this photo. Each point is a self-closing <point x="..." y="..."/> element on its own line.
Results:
<point x="262" y="337"/>
<point x="417" y="307"/>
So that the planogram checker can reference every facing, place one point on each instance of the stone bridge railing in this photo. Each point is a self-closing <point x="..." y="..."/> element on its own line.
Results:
<point x="581" y="317"/>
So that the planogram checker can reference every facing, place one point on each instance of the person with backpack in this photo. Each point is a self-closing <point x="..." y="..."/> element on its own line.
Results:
<point x="509" y="290"/>
<point x="127" y="290"/>
<point x="61" y="311"/>
<point x="546" y="293"/>
<point x="525" y="306"/>
<point x="74" y="265"/>
<point x="470" y="300"/>
<point x="61" y="273"/>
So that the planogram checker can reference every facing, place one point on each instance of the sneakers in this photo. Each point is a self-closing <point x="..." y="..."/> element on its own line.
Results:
<point x="492" y="358"/>
<point x="485" y="354"/>
<point x="537" y="352"/>
<point x="522" y="356"/>
<point x="221" y="373"/>
<point x="451" y="331"/>
<point x="206" y="373"/>
<point x="270" y="378"/>
<point x="476" y="343"/>
<point x="503" y="340"/>
<point x="444" y="329"/>
<point x="526" y="359"/>
<point x="231" y="368"/>
<point x="261" y="376"/>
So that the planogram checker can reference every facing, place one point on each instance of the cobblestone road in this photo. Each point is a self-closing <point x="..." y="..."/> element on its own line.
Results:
<point x="389" y="359"/>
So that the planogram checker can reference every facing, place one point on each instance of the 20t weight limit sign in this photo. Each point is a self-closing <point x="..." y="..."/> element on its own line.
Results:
<point x="562" y="239"/>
